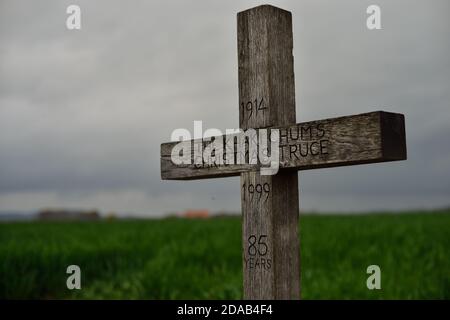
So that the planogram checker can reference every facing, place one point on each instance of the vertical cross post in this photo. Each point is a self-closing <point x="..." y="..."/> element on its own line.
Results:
<point x="267" y="98"/>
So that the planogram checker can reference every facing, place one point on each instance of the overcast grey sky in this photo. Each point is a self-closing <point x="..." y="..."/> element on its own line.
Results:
<point x="83" y="113"/>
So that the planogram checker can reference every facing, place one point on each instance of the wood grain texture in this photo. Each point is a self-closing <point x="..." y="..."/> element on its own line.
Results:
<point x="350" y="140"/>
<point x="266" y="70"/>
<point x="266" y="80"/>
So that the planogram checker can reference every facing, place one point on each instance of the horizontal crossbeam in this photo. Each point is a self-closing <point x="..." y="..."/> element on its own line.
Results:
<point x="365" y="138"/>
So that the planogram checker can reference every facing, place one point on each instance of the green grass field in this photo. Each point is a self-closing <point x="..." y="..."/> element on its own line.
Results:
<point x="201" y="259"/>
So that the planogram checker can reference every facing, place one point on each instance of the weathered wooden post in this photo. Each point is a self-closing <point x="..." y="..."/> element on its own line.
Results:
<point x="266" y="85"/>
<point x="267" y="100"/>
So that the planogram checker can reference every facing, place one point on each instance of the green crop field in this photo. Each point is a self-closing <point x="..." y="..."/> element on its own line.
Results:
<point x="201" y="259"/>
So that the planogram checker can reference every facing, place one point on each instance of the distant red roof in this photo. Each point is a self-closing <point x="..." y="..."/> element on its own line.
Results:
<point x="196" y="214"/>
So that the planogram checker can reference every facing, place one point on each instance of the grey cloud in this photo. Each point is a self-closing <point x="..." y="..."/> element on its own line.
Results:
<point x="82" y="114"/>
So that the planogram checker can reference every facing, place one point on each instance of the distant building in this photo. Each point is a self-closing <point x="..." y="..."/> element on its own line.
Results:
<point x="196" y="214"/>
<point x="62" y="214"/>
<point x="225" y="214"/>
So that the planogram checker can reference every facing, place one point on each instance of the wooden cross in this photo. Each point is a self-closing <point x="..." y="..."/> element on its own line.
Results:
<point x="270" y="203"/>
